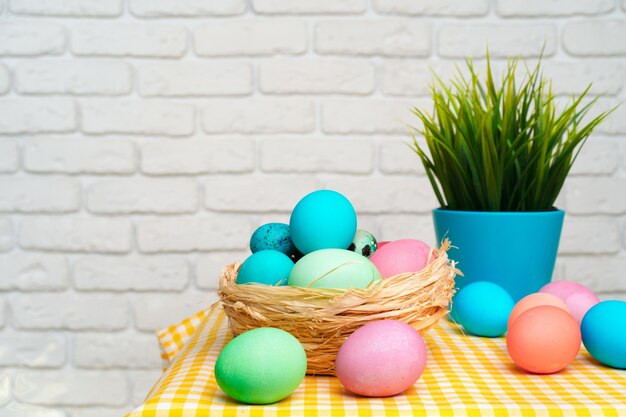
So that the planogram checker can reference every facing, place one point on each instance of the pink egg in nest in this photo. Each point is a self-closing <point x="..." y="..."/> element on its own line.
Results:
<point x="400" y="256"/>
<point x="381" y="359"/>
<point x="578" y="298"/>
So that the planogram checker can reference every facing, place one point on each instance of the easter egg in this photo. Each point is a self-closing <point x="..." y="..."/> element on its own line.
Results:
<point x="273" y="236"/>
<point x="543" y="340"/>
<point x="534" y="300"/>
<point x="261" y="366"/>
<point x="268" y="267"/>
<point x="364" y="243"/>
<point x="604" y="333"/>
<point x="380" y="359"/>
<point x="333" y="268"/>
<point x="381" y="244"/>
<point x="577" y="297"/>
<point x="483" y="308"/>
<point x="323" y="219"/>
<point x="400" y="256"/>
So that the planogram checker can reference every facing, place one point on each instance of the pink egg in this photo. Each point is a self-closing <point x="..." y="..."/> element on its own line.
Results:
<point x="399" y="256"/>
<point x="381" y="244"/>
<point x="578" y="298"/>
<point x="380" y="359"/>
<point x="579" y="303"/>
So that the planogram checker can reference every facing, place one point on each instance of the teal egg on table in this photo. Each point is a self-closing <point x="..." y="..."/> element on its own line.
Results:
<point x="274" y="236"/>
<point x="268" y="267"/>
<point x="333" y="268"/>
<point x="323" y="219"/>
<point x="261" y="366"/>
<point x="604" y="333"/>
<point x="364" y="243"/>
<point x="483" y="309"/>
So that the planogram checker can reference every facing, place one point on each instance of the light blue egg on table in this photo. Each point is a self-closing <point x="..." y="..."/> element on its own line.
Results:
<point x="268" y="267"/>
<point x="273" y="236"/>
<point x="604" y="332"/>
<point x="323" y="219"/>
<point x="483" y="309"/>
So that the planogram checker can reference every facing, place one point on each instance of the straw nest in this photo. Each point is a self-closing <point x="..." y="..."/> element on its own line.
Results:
<point x="321" y="319"/>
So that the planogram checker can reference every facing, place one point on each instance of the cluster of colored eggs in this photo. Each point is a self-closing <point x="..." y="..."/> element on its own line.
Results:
<point x="265" y="365"/>
<point x="381" y="358"/>
<point x="545" y="329"/>
<point x="328" y="250"/>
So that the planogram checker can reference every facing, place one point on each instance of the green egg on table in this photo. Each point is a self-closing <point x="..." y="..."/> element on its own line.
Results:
<point x="261" y="366"/>
<point x="333" y="268"/>
<point x="364" y="243"/>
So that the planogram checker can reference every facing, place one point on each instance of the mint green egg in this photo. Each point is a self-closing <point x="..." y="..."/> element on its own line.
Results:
<point x="333" y="268"/>
<point x="261" y="366"/>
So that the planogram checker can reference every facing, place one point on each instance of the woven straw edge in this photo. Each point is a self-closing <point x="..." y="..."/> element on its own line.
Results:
<point x="323" y="318"/>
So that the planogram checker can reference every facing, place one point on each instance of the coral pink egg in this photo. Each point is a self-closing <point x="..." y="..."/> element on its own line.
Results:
<point x="399" y="256"/>
<point x="578" y="298"/>
<point x="381" y="244"/>
<point x="543" y="340"/>
<point x="380" y="359"/>
<point x="535" y="300"/>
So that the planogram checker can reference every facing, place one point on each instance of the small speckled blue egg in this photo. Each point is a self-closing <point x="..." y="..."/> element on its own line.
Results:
<point x="364" y="243"/>
<point x="483" y="309"/>
<point x="604" y="332"/>
<point x="323" y="219"/>
<point x="274" y="236"/>
<point x="268" y="267"/>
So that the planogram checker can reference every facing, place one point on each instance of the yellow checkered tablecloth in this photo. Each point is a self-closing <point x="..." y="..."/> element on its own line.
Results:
<point x="465" y="376"/>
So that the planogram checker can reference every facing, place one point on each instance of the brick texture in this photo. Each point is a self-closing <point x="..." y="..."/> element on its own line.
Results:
<point x="187" y="8"/>
<point x="147" y="40"/>
<point x="137" y="117"/>
<point x="143" y="141"/>
<point x="20" y="38"/>
<point x="79" y="156"/>
<point x="317" y="77"/>
<point x="78" y="8"/>
<point x="378" y="37"/>
<point x="174" y="79"/>
<point x="67" y="77"/>
<point x="256" y="37"/>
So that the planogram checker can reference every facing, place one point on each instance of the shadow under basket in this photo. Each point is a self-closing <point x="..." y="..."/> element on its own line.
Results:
<point x="322" y="318"/>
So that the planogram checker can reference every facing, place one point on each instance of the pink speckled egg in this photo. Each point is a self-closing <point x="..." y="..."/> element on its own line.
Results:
<point x="578" y="298"/>
<point x="380" y="359"/>
<point x="399" y="256"/>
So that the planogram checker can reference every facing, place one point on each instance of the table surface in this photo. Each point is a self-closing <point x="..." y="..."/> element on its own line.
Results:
<point x="464" y="376"/>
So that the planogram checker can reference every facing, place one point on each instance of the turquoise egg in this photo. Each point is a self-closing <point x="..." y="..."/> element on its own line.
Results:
<point x="364" y="243"/>
<point x="261" y="366"/>
<point x="604" y="332"/>
<point x="274" y="236"/>
<point x="268" y="267"/>
<point x="333" y="268"/>
<point x="323" y="219"/>
<point x="483" y="309"/>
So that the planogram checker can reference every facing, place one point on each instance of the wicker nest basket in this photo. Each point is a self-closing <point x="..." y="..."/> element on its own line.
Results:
<point x="321" y="319"/>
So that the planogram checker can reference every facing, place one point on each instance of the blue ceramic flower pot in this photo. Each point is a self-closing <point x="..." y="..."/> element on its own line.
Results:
<point x="515" y="250"/>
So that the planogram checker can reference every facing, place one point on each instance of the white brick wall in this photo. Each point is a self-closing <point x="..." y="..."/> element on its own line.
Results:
<point x="142" y="141"/>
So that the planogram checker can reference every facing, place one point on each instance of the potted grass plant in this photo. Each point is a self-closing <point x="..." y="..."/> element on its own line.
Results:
<point x="497" y="153"/>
